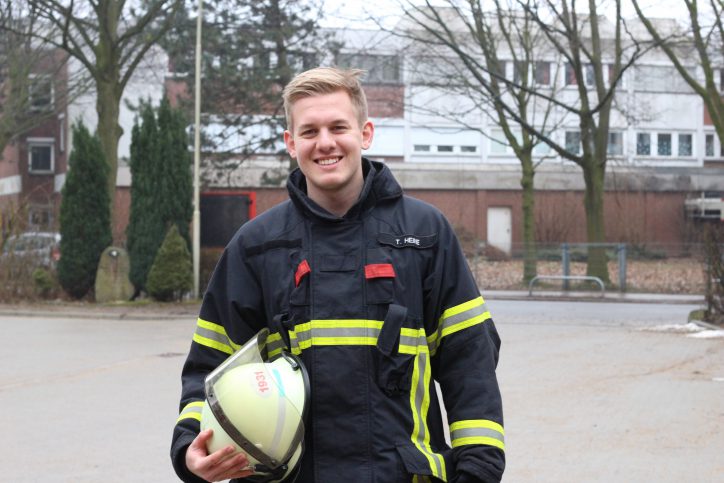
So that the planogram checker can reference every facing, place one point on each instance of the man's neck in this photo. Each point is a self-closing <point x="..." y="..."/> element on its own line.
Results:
<point x="339" y="202"/>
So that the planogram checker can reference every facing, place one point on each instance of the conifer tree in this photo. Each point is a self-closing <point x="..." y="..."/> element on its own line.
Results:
<point x="161" y="187"/>
<point x="171" y="274"/>
<point x="175" y="190"/>
<point x="145" y="230"/>
<point x="85" y="216"/>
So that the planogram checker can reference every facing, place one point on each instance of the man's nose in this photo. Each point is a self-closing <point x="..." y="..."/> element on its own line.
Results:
<point x="325" y="140"/>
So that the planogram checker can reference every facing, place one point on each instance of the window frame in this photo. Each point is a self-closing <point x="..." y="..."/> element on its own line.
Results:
<point x="41" y="142"/>
<point x="33" y="79"/>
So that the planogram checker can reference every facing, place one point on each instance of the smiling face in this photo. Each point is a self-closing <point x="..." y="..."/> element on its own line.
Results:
<point x="327" y="140"/>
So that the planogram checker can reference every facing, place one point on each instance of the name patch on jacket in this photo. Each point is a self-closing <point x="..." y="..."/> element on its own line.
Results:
<point x="404" y="241"/>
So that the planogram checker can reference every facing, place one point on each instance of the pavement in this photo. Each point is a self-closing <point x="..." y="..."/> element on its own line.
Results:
<point x="166" y="311"/>
<point x="593" y="391"/>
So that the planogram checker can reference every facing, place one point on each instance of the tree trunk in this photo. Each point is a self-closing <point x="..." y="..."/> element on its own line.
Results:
<point x="593" y="173"/>
<point x="530" y="268"/>
<point x="109" y="131"/>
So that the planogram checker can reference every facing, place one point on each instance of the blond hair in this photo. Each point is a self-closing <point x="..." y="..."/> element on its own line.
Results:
<point x="326" y="80"/>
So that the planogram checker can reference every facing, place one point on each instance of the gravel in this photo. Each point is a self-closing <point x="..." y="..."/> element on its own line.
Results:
<point x="674" y="275"/>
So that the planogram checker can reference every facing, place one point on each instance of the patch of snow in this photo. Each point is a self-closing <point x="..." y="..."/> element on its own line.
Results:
<point x="708" y="334"/>
<point x="689" y="328"/>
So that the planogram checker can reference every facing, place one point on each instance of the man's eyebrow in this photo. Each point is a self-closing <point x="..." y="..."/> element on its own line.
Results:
<point x="314" y="125"/>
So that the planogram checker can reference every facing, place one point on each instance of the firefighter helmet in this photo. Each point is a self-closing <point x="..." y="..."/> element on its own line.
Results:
<point x="257" y="404"/>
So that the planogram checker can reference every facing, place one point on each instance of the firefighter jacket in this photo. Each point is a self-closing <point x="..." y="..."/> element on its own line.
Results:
<point x="380" y="304"/>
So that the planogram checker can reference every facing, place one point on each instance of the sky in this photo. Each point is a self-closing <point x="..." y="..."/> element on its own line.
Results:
<point x="356" y="13"/>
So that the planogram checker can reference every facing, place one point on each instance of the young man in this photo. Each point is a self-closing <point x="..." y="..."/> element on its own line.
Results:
<point x="373" y="292"/>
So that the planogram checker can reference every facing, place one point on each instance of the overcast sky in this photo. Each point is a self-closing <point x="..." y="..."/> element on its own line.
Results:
<point x="356" y="13"/>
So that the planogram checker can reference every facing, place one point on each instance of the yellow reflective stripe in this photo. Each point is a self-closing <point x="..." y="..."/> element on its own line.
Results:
<point x="477" y="423"/>
<point x="458" y="318"/>
<point x="420" y="404"/>
<point x="477" y="431"/>
<point x="479" y="440"/>
<point x="462" y="307"/>
<point x="213" y="344"/>
<point x="214" y="335"/>
<point x="191" y="411"/>
<point x="334" y="332"/>
<point x="274" y="344"/>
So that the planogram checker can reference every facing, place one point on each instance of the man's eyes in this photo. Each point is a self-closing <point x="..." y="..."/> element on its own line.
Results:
<point x="336" y="129"/>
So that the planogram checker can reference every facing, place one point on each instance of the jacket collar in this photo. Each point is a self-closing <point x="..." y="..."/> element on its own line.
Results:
<point x="379" y="185"/>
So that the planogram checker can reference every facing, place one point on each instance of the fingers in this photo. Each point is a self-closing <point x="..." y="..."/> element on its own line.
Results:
<point x="220" y="465"/>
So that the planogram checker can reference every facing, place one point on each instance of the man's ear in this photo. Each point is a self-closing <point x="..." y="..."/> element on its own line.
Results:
<point x="368" y="132"/>
<point x="289" y="141"/>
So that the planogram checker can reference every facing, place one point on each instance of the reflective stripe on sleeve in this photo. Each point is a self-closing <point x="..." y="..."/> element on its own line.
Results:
<point x="420" y="403"/>
<point x="214" y="336"/>
<point x="191" y="411"/>
<point x="458" y="318"/>
<point x="477" y="431"/>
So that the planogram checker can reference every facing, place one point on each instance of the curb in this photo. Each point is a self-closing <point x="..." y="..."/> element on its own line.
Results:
<point x="609" y="297"/>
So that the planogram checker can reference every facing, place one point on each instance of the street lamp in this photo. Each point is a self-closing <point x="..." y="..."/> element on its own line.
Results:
<point x="196" y="242"/>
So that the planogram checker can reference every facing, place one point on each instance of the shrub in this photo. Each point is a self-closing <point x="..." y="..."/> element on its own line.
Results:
<point x="85" y="214"/>
<point x="45" y="283"/>
<point x="171" y="274"/>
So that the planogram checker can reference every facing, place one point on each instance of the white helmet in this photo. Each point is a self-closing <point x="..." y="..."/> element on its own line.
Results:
<point x="258" y="405"/>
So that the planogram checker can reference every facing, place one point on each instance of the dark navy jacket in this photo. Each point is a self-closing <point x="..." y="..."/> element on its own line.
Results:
<point x="380" y="304"/>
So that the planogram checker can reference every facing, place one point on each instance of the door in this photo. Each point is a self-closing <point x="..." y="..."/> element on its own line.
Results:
<point x="499" y="228"/>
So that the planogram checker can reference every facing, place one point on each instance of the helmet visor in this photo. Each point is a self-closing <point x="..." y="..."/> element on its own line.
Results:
<point x="260" y="402"/>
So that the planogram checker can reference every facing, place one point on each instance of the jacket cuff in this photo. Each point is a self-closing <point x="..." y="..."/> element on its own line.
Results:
<point x="178" y="459"/>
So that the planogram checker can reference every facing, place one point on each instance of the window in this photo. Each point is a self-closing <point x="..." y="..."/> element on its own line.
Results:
<point x="543" y="73"/>
<point x="40" y="217"/>
<point x="520" y="72"/>
<point x="40" y="156"/>
<point x="40" y="93"/>
<point x="663" y="144"/>
<point x="588" y="75"/>
<point x="615" y="143"/>
<point x="380" y="69"/>
<point x="498" y="143"/>
<point x="573" y="142"/>
<point x="445" y="149"/>
<point x="468" y="149"/>
<point x="61" y="134"/>
<point x="709" y="145"/>
<point x="422" y="148"/>
<point x="612" y="77"/>
<point x="685" y="145"/>
<point x="643" y="144"/>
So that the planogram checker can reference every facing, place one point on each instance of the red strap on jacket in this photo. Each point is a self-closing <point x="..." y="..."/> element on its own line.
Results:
<point x="379" y="270"/>
<point x="302" y="270"/>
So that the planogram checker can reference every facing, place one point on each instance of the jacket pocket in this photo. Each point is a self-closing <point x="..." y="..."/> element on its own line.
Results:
<point x="415" y="464"/>
<point x="394" y="369"/>
<point x="379" y="277"/>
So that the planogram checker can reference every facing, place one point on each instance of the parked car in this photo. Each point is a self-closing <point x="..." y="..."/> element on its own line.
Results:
<point x="37" y="247"/>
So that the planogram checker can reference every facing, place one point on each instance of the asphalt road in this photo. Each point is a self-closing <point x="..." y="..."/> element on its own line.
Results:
<point x="589" y="396"/>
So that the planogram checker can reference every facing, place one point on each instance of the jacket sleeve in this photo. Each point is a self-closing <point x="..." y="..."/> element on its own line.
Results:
<point x="231" y="313"/>
<point x="464" y="346"/>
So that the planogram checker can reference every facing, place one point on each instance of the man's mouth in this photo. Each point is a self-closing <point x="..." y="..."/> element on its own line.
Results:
<point x="328" y="161"/>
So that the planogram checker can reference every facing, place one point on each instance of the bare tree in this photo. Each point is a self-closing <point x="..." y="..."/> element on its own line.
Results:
<point x="34" y="82"/>
<point x="475" y="47"/>
<point x="590" y="52"/>
<point x="703" y="43"/>
<point x="109" y="38"/>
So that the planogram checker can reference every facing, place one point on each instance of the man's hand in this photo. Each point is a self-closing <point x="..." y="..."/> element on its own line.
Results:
<point x="220" y="465"/>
